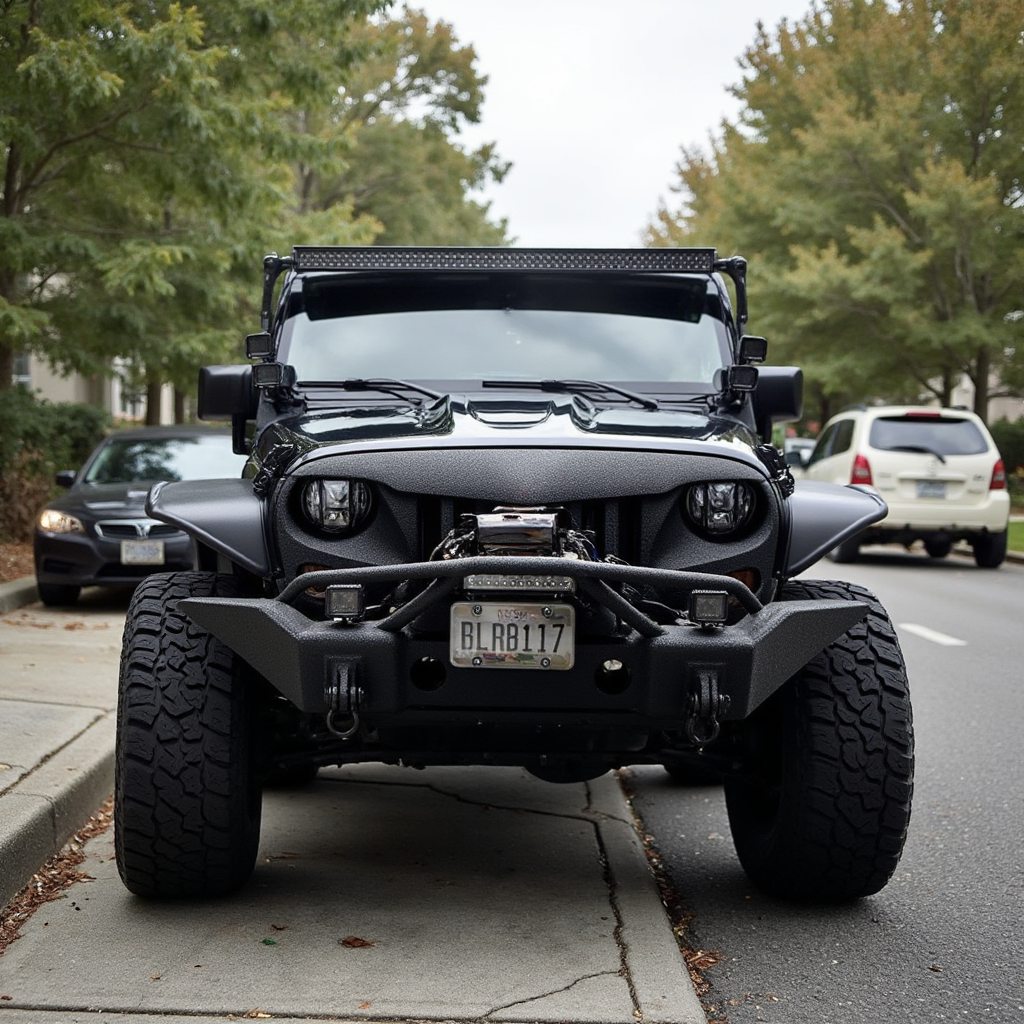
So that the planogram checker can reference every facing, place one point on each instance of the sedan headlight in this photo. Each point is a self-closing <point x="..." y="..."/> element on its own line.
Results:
<point x="53" y="521"/>
<point x="720" y="508"/>
<point x="336" y="506"/>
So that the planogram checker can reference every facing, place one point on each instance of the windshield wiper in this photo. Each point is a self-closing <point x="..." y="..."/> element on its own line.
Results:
<point x="386" y="385"/>
<point x="924" y="449"/>
<point x="581" y="386"/>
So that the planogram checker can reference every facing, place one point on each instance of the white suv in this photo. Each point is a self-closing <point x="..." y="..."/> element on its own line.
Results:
<point x="937" y="469"/>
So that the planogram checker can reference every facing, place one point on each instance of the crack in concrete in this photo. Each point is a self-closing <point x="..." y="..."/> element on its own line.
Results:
<point x="590" y="817"/>
<point x="553" y="992"/>
<point x="587" y="814"/>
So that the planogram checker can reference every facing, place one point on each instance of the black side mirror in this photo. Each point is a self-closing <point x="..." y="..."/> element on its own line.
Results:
<point x="65" y="478"/>
<point x="227" y="392"/>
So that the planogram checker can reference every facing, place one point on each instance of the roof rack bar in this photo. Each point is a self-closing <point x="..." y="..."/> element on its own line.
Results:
<point x="651" y="261"/>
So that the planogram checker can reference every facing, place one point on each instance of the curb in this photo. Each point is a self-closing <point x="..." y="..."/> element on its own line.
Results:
<point x="18" y="593"/>
<point x="42" y="811"/>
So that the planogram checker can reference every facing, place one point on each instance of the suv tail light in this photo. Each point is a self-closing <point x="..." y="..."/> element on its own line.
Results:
<point x="998" y="481"/>
<point x="861" y="471"/>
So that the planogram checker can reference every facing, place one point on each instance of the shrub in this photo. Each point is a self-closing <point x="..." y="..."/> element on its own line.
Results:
<point x="1009" y="438"/>
<point x="38" y="438"/>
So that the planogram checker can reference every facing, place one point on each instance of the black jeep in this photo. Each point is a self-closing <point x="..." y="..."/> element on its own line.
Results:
<point x="511" y="507"/>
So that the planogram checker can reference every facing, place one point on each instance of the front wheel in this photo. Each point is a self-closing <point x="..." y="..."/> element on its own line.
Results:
<point x="821" y="814"/>
<point x="58" y="595"/>
<point x="187" y="797"/>
<point x="847" y="551"/>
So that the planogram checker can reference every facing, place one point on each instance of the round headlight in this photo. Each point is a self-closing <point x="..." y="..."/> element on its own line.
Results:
<point x="53" y="521"/>
<point x="720" y="508"/>
<point x="337" y="506"/>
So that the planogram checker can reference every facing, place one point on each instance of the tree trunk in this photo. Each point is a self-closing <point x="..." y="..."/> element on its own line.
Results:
<point x="946" y="398"/>
<point x="153" y="388"/>
<point x="6" y="367"/>
<point x="982" y="365"/>
<point x="179" y="406"/>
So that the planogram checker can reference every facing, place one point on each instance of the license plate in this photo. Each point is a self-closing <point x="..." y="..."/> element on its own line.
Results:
<point x="496" y="634"/>
<point x="931" y="488"/>
<point x="142" y="552"/>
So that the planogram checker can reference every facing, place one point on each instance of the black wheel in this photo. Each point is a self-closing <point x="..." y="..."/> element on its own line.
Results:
<point x="847" y="551"/>
<point x="822" y="815"/>
<point x="989" y="550"/>
<point x="938" y="548"/>
<point x="187" y="799"/>
<point x="58" y="595"/>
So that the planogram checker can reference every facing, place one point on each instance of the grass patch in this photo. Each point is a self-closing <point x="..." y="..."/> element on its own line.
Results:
<point x="1015" y="541"/>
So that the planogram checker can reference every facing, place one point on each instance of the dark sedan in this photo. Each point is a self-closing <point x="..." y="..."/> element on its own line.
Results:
<point x="98" y="533"/>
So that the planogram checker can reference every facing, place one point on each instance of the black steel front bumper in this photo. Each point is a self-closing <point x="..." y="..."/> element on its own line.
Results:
<point x="376" y="667"/>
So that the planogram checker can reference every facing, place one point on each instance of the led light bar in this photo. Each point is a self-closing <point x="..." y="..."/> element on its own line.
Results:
<point x="655" y="261"/>
<point x="507" y="581"/>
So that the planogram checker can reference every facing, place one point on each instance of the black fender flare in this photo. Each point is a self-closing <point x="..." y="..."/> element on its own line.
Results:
<point x="225" y="515"/>
<point x="822" y="515"/>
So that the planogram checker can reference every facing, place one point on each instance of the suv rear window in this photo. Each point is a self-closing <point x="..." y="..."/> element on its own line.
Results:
<point x="941" y="435"/>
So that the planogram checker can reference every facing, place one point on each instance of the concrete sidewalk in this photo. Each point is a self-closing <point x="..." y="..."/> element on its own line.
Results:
<point x="58" y="691"/>
<point x="482" y="893"/>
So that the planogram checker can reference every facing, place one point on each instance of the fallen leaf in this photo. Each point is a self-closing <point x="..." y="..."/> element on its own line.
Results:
<point x="354" y="942"/>
<point x="155" y="977"/>
<point x="269" y="942"/>
<point x="936" y="968"/>
<point x="362" y="1006"/>
<point x="279" y="927"/>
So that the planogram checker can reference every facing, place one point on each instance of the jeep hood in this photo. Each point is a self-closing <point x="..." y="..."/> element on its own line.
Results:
<point x="496" y="421"/>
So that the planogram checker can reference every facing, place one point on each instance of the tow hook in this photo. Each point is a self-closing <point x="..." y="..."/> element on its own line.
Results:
<point x="705" y="706"/>
<point x="342" y="697"/>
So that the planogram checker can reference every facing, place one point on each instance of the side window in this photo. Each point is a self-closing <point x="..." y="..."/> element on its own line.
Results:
<point x="822" y="448"/>
<point x="844" y="437"/>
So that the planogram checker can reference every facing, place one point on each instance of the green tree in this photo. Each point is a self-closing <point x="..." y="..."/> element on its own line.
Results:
<point x="403" y="105"/>
<point x="875" y="177"/>
<point x="131" y="204"/>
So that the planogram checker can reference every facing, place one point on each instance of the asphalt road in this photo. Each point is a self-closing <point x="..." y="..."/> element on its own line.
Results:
<point x="944" y="940"/>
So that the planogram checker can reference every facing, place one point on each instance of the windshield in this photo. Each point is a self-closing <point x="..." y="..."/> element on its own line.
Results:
<point x="123" y="460"/>
<point x="944" y="436"/>
<point x="505" y="326"/>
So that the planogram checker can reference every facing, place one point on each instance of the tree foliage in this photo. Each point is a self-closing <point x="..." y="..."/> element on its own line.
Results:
<point x="875" y="178"/>
<point x="153" y="151"/>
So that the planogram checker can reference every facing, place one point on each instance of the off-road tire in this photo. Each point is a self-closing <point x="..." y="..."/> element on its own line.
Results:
<point x="58" y="595"/>
<point x="989" y="550"/>
<point x="823" y="815"/>
<point x="187" y="798"/>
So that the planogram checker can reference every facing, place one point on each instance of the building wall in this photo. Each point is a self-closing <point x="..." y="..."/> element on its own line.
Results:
<point x="102" y="391"/>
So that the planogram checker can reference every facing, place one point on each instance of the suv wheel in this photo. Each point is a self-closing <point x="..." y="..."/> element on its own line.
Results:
<point x="989" y="549"/>
<point x="187" y="799"/>
<point x="848" y="551"/>
<point x="822" y="812"/>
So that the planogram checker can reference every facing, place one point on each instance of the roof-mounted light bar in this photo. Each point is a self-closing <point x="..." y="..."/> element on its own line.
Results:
<point x="651" y="261"/>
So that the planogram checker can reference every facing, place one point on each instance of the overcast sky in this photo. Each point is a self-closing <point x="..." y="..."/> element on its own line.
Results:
<point x="591" y="100"/>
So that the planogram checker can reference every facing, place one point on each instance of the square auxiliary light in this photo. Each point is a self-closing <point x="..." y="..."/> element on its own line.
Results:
<point x="708" y="607"/>
<point x="345" y="602"/>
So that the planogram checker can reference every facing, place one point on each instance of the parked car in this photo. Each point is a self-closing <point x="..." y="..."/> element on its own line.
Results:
<point x="938" y="470"/>
<point x="98" y="532"/>
<point x="797" y="451"/>
<point x="562" y="542"/>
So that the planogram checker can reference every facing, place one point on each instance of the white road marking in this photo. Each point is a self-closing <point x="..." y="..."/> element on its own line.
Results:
<point x="930" y="634"/>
